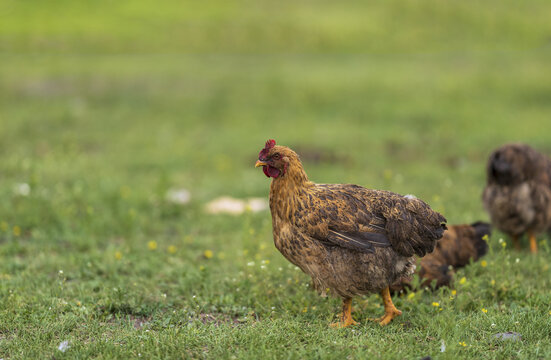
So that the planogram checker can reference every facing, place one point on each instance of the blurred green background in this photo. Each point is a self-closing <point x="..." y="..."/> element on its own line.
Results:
<point x="129" y="91"/>
<point x="105" y="106"/>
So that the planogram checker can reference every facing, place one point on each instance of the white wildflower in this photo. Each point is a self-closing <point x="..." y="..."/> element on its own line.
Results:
<point x="63" y="346"/>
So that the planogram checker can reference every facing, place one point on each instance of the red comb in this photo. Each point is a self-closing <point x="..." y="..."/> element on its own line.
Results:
<point x="264" y="152"/>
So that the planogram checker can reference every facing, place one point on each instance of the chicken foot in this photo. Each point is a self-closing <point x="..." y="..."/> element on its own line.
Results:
<point x="346" y="317"/>
<point x="533" y="243"/>
<point x="390" y="310"/>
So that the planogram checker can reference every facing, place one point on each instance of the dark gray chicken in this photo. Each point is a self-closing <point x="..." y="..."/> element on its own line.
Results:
<point x="518" y="192"/>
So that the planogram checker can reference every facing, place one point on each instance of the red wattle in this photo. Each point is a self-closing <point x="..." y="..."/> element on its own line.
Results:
<point x="270" y="171"/>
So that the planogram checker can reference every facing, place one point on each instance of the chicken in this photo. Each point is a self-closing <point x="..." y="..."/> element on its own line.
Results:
<point x="458" y="246"/>
<point x="349" y="239"/>
<point x="518" y="192"/>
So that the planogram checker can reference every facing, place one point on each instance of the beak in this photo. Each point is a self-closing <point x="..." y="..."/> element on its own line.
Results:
<point x="259" y="163"/>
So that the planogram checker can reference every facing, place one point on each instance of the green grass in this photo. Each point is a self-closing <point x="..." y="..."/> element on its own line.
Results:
<point x="104" y="106"/>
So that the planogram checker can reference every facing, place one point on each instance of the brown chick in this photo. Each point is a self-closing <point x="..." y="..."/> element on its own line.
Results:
<point x="459" y="245"/>
<point x="518" y="192"/>
<point x="349" y="239"/>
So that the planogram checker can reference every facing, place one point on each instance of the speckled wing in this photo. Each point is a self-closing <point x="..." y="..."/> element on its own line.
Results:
<point x="360" y="219"/>
<point x="360" y="241"/>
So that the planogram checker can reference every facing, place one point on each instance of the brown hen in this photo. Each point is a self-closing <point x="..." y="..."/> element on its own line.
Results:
<point x="459" y="245"/>
<point x="518" y="192"/>
<point x="349" y="239"/>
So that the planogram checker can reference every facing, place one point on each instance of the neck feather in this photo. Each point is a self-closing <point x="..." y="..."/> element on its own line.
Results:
<point x="286" y="190"/>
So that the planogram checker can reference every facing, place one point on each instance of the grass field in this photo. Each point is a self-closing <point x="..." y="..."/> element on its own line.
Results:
<point x="105" y="106"/>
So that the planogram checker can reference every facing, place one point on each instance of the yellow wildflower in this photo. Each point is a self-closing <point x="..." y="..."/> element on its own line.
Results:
<point x="208" y="254"/>
<point x="172" y="249"/>
<point x="504" y="244"/>
<point x="454" y="292"/>
<point x="486" y="237"/>
<point x="16" y="230"/>
<point x="118" y="255"/>
<point x="484" y="310"/>
<point x="463" y="280"/>
<point x="152" y="245"/>
<point x="411" y="295"/>
<point x="435" y="304"/>
<point x="493" y="282"/>
<point x="201" y="268"/>
<point x="305" y="309"/>
<point x="462" y="343"/>
<point x="79" y="303"/>
<point x="483" y="263"/>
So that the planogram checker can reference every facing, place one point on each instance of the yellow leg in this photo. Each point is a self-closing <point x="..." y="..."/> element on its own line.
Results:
<point x="346" y="317"/>
<point x="533" y="243"/>
<point x="516" y="242"/>
<point x="390" y="310"/>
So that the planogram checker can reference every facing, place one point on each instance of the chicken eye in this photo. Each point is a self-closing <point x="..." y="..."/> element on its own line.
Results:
<point x="276" y="156"/>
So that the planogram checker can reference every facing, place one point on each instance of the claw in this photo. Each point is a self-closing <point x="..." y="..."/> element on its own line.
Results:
<point x="343" y="323"/>
<point x="387" y="317"/>
<point x="390" y="310"/>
